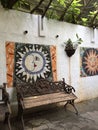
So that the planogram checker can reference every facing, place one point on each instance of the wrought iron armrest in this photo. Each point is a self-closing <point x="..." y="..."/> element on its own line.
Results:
<point x="5" y="97"/>
<point x="6" y="103"/>
<point x="5" y="94"/>
<point x="67" y="88"/>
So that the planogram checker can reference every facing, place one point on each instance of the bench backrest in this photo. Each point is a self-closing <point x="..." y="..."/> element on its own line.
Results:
<point x="40" y="87"/>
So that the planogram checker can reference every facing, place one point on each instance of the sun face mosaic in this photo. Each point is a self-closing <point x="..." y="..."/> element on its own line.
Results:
<point x="89" y="61"/>
<point x="30" y="62"/>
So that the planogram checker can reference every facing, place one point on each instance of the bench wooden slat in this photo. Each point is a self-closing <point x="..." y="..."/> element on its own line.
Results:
<point x="47" y="99"/>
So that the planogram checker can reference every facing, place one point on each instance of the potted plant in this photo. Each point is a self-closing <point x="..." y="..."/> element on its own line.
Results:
<point x="70" y="47"/>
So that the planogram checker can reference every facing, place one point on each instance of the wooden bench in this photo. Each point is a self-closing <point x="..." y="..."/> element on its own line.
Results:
<point x="5" y="109"/>
<point x="43" y="92"/>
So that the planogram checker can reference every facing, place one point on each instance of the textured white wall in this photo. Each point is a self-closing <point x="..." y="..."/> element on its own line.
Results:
<point x="14" y="23"/>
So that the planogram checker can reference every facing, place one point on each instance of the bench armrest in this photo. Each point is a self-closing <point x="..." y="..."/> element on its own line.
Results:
<point x="5" y="94"/>
<point x="68" y="88"/>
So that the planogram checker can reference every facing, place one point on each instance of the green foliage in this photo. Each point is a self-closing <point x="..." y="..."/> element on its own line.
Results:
<point x="84" y="21"/>
<point x="69" y="45"/>
<point x="96" y="5"/>
<point x="58" y="8"/>
<point x="72" y="12"/>
<point x="92" y="13"/>
<point x="79" y="40"/>
<point x="52" y="14"/>
<point x="61" y="2"/>
<point x="22" y="4"/>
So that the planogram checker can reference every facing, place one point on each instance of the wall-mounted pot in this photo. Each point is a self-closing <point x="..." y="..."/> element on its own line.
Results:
<point x="70" y="52"/>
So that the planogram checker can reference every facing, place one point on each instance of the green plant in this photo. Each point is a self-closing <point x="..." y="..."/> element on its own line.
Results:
<point x="69" y="45"/>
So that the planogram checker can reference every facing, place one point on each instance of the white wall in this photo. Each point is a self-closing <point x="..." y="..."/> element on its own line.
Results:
<point x="14" y="23"/>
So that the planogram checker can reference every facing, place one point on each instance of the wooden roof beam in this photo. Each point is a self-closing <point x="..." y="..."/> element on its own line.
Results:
<point x="46" y="8"/>
<point x="36" y="6"/>
<point x="67" y="7"/>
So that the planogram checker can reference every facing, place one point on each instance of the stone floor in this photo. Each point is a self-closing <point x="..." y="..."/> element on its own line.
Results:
<point x="59" y="119"/>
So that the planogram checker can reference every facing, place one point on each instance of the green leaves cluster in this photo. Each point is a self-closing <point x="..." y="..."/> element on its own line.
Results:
<point x="76" y="13"/>
<point x="69" y="44"/>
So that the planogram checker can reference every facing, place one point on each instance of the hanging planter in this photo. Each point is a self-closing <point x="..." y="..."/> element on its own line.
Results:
<point x="70" y="47"/>
<point x="70" y="52"/>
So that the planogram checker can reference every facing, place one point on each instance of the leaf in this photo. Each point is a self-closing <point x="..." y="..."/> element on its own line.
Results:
<point x="77" y="35"/>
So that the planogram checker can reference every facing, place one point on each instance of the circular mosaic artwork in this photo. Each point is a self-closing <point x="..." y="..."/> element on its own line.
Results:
<point x="90" y="61"/>
<point x="32" y="62"/>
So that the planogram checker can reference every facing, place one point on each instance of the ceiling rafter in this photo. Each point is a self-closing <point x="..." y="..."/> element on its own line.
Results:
<point x="67" y="7"/>
<point x="36" y="6"/>
<point x="46" y="8"/>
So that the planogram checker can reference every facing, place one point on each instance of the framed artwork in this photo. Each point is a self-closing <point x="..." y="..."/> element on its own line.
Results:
<point x="26" y="63"/>
<point x="89" y="61"/>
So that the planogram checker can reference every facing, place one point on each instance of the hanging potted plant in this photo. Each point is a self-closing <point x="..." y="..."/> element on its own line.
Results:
<point x="70" y="47"/>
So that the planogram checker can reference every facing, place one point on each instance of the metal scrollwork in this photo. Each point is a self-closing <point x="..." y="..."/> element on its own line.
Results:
<point x="43" y="86"/>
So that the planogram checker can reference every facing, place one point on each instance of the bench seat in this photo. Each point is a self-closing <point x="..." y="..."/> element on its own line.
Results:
<point x="46" y="99"/>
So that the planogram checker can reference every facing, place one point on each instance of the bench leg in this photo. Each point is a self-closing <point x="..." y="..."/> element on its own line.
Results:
<point x="20" y="115"/>
<point x="22" y="121"/>
<point x="72" y="103"/>
<point x="7" y="120"/>
<point x="9" y="125"/>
